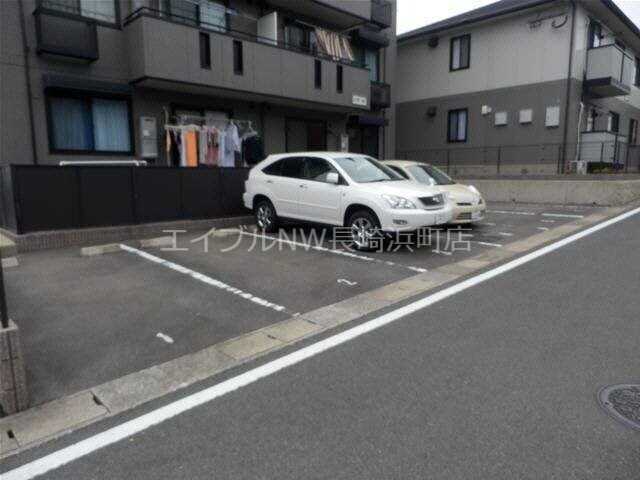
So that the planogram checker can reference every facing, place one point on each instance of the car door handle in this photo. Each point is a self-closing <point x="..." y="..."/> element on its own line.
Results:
<point x="269" y="181"/>
<point x="303" y="186"/>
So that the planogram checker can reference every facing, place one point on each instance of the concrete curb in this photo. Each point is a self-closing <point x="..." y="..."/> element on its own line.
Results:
<point x="39" y="424"/>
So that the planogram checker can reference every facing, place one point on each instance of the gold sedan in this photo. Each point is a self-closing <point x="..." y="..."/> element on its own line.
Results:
<point x="469" y="204"/>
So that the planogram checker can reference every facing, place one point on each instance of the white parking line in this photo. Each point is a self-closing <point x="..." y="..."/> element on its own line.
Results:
<point x="205" y="279"/>
<point x="548" y="221"/>
<point x="344" y="253"/>
<point x="505" y="234"/>
<point x="561" y="215"/>
<point x="136" y="425"/>
<point x="544" y="229"/>
<point x="511" y="212"/>
<point x="487" y="244"/>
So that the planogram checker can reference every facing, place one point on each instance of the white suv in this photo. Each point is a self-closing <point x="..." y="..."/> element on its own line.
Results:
<point x="344" y="189"/>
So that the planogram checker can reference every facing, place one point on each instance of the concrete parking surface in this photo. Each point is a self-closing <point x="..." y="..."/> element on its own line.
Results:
<point x="87" y="320"/>
<point x="506" y="390"/>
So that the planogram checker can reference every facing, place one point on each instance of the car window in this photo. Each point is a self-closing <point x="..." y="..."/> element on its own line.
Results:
<point x="292" y="167"/>
<point x="399" y="171"/>
<point x="428" y="174"/>
<point x="363" y="169"/>
<point x="274" y="168"/>
<point x="316" y="169"/>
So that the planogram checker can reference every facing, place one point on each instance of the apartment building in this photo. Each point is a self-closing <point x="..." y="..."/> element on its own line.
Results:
<point x="525" y="86"/>
<point x="86" y="80"/>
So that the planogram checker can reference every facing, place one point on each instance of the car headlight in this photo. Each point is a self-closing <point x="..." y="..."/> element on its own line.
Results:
<point x="398" y="202"/>
<point x="473" y="189"/>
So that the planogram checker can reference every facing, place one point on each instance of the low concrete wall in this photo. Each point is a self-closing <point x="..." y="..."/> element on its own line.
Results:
<point x="571" y="192"/>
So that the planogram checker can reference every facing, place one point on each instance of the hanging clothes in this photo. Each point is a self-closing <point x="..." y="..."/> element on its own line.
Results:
<point x="231" y="145"/>
<point x="191" y="148"/>
<point x="183" y="148"/>
<point x="212" y="145"/>
<point x="252" y="148"/>
<point x="203" y="146"/>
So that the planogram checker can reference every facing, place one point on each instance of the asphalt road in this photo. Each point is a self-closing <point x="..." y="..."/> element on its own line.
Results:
<point x="496" y="382"/>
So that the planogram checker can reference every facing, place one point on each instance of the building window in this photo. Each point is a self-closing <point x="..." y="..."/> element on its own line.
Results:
<point x="613" y="124"/>
<point x="86" y="123"/>
<point x="633" y="132"/>
<point x="636" y="80"/>
<point x="591" y="119"/>
<point x="212" y="15"/>
<point x="100" y="10"/>
<point x="370" y="58"/>
<point x="460" y="52"/>
<point x="317" y="73"/>
<point x="300" y="36"/>
<point x="595" y="34"/>
<point x="457" y="126"/>
<point x="205" y="51"/>
<point x="339" y="78"/>
<point x="238" y="62"/>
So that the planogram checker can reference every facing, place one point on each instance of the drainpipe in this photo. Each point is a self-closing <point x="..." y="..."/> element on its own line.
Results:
<point x="27" y="78"/>
<point x="565" y="132"/>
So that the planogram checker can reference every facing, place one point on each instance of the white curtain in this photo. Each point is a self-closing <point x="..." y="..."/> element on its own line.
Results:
<point x="111" y="125"/>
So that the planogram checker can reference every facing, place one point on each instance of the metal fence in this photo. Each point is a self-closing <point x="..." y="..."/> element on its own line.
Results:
<point x="527" y="160"/>
<point x="52" y="197"/>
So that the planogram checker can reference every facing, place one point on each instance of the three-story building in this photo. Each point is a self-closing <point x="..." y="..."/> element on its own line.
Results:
<point x="99" y="79"/>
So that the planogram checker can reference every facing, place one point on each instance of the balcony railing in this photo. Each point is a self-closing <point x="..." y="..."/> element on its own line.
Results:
<point x="381" y="13"/>
<point x="60" y="34"/>
<point x="380" y="95"/>
<point x="196" y="22"/>
<point x="609" y="71"/>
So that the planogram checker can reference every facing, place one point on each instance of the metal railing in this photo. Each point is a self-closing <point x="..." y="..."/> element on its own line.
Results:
<point x="193" y="21"/>
<point x="530" y="160"/>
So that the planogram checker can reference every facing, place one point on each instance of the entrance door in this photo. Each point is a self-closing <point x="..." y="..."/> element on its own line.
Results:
<point x="363" y="139"/>
<point x="317" y="136"/>
<point x="305" y="135"/>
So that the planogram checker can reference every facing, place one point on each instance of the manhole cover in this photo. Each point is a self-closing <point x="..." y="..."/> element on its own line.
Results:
<point x="623" y="402"/>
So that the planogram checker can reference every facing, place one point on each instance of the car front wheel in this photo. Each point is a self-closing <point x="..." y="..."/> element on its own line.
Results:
<point x="365" y="230"/>
<point x="266" y="218"/>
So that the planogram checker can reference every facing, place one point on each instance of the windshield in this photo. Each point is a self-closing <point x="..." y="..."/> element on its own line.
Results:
<point x="363" y="169"/>
<point x="429" y="175"/>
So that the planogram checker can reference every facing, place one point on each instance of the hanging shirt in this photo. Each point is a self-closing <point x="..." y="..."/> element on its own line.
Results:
<point x="203" y="146"/>
<point x="191" y="148"/>
<point x="231" y="145"/>
<point x="183" y="148"/>
<point x="212" y="145"/>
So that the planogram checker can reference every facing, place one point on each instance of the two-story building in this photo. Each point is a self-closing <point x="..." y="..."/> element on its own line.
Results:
<point x="529" y="86"/>
<point x="99" y="79"/>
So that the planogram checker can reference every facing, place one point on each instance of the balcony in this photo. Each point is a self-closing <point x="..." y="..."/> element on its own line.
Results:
<point x="64" y="35"/>
<point x="609" y="71"/>
<point x="380" y="95"/>
<point x="381" y="13"/>
<point x="165" y="53"/>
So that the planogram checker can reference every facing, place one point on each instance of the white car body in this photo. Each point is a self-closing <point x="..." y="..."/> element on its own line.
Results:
<point x="330" y="203"/>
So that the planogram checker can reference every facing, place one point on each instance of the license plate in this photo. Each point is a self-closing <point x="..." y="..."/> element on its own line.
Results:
<point x="476" y="215"/>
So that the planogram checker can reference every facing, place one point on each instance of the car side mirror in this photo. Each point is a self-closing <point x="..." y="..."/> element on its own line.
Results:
<point x="333" y="177"/>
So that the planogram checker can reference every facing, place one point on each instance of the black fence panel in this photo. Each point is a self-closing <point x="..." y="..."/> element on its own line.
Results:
<point x="201" y="193"/>
<point x="7" y="210"/>
<point x="232" y="183"/>
<point x="48" y="197"/>
<point x="157" y="194"/>
<point x="106" y="196"/>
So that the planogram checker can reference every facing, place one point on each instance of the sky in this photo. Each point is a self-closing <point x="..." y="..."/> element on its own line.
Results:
<point x="413" y="14"/>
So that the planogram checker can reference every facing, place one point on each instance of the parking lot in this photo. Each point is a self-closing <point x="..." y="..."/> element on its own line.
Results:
<point x="87" y="320"/>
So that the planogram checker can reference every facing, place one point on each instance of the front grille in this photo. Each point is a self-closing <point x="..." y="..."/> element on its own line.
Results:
<point x="464" y="204"/>
<point x="464" y="216"/>
<point x="434" y="201"/>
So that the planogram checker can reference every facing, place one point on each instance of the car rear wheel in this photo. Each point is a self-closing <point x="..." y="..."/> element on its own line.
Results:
<point x="266" y="218"/>
<point x="365" y="230"/>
